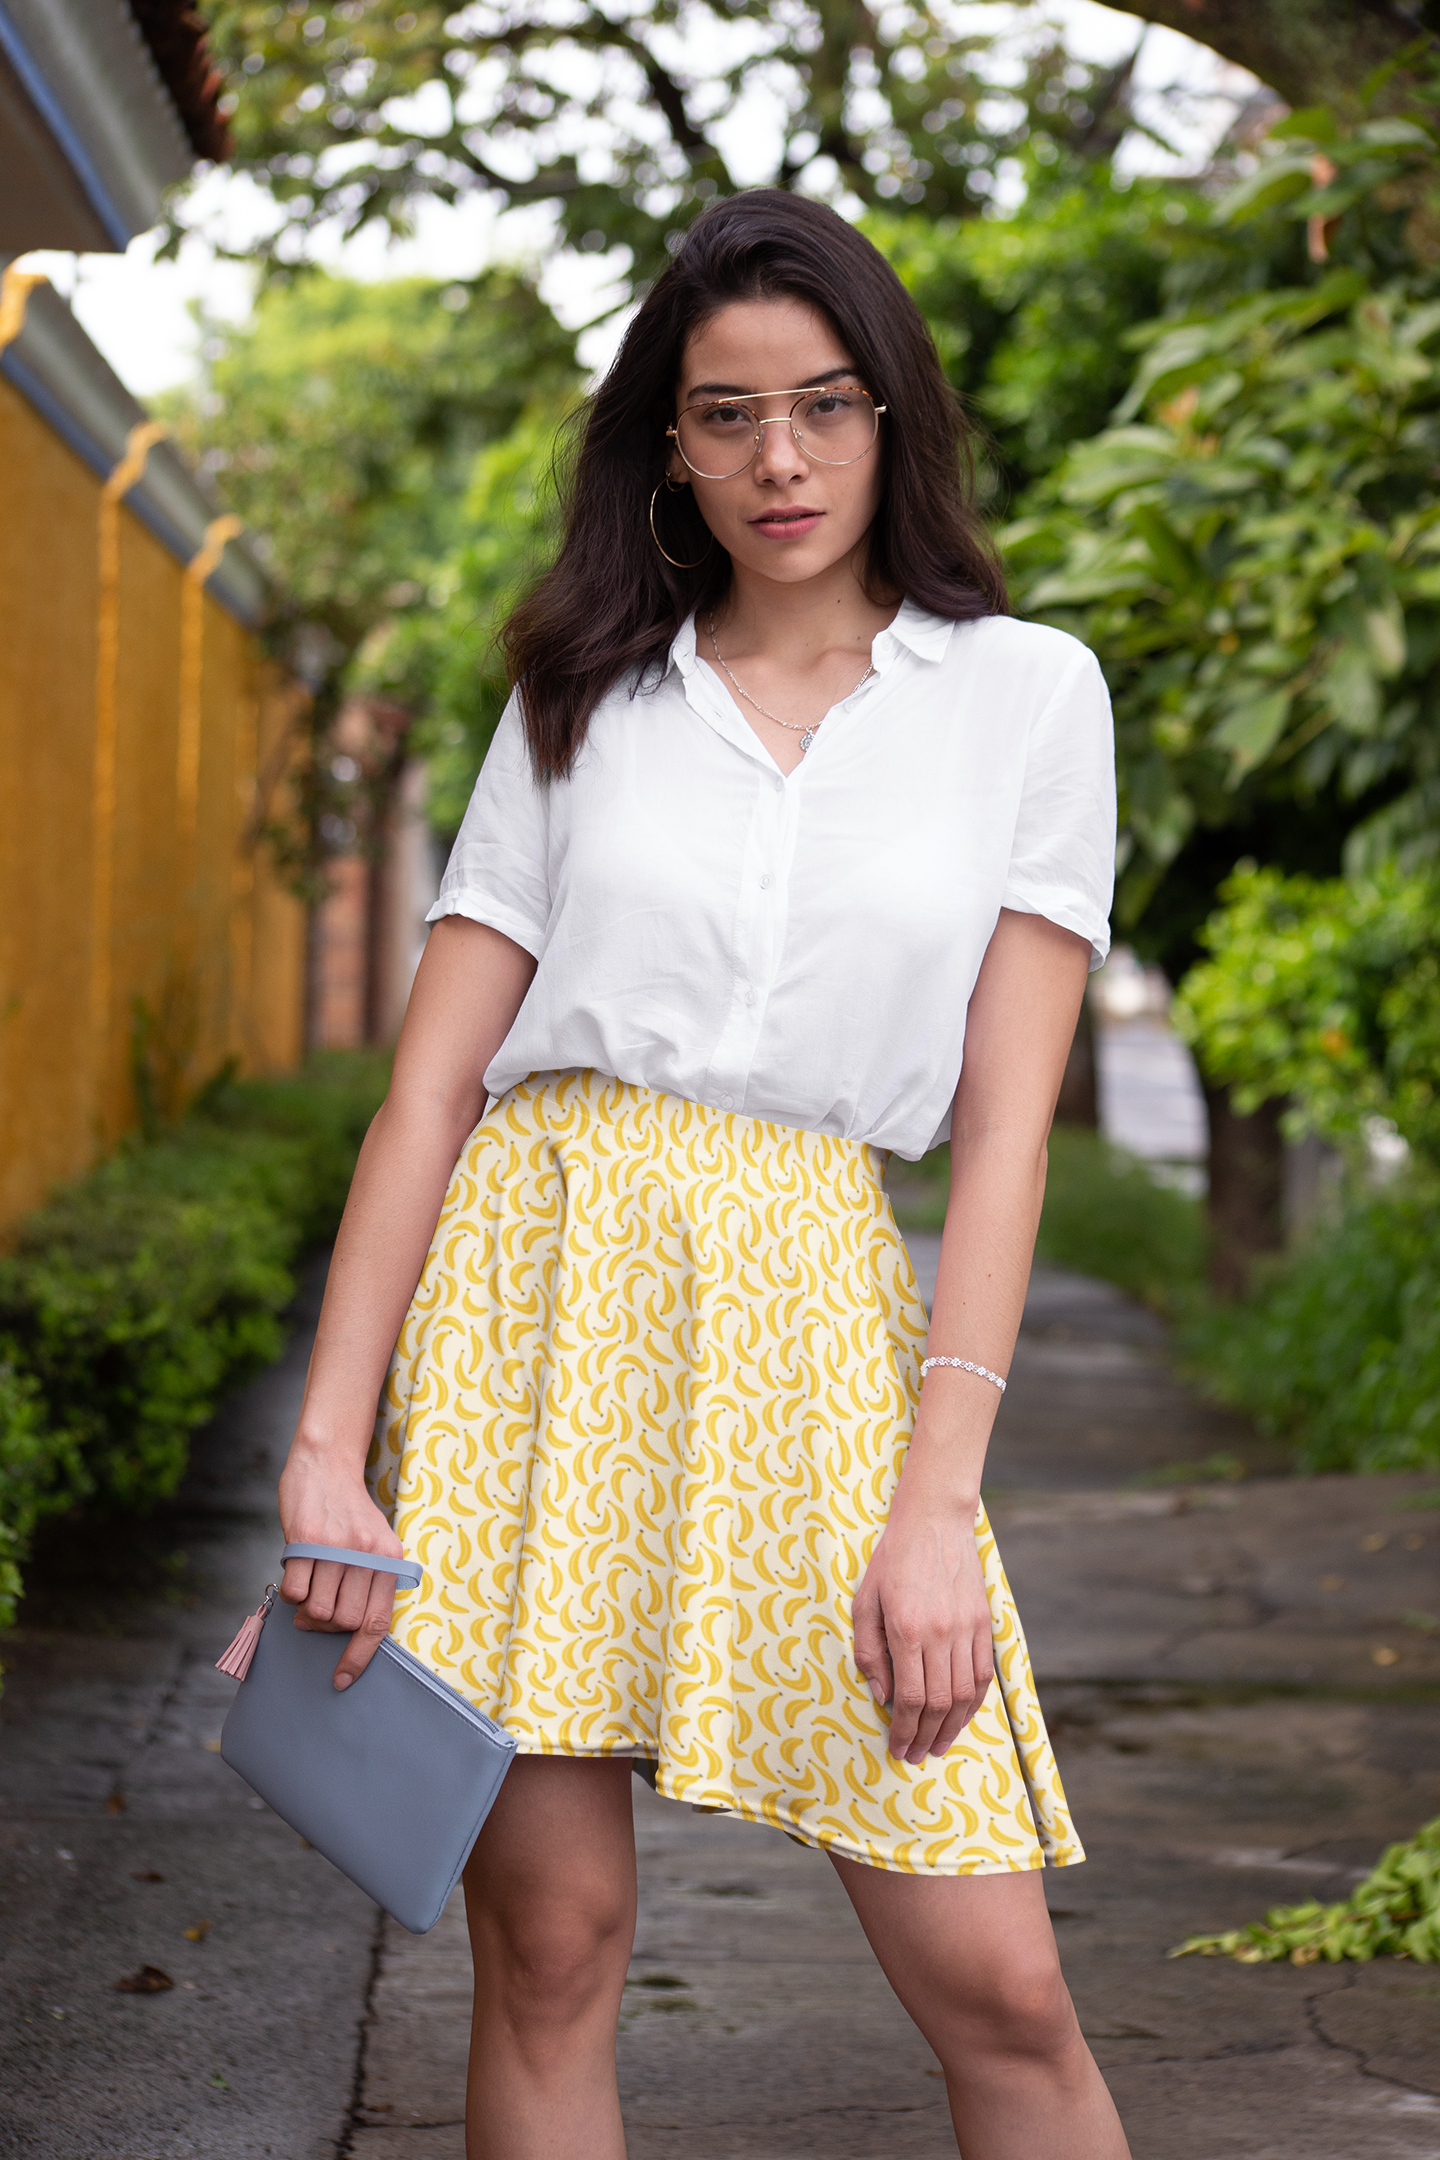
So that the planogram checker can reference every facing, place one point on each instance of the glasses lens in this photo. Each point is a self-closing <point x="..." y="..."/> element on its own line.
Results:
<point x="836" y="426"/>
<point x="716" y="440"/>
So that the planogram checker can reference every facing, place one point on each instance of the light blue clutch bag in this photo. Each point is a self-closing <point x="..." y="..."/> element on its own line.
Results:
<point x="391" y="1778"/>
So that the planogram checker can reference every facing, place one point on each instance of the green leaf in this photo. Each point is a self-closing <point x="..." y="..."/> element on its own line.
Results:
<point x="1352" y="691"/>
<point x="1251" y="729"/>
<point x="1311" y="123"/>
<point x="1385" y="637"/>
<point x="1171" y="557"/>
<point x="1278" y="180"/>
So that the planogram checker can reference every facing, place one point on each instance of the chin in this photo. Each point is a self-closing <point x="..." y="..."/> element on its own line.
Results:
<point x="789" y="565"/>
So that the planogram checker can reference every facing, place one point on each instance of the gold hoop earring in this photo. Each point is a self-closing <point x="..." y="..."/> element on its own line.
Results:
<point x="666" y="483"/>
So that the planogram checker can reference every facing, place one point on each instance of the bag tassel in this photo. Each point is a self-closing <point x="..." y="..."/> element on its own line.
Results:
<point x="237" y="1659"/>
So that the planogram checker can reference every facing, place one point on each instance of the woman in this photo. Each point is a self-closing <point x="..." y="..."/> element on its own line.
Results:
<point x="791" y="848"/>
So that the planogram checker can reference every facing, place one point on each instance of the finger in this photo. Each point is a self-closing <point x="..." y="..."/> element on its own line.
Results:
<point x="295" y="1582"/>
<point x="907" y="1704"/>
<point x="352" y="1599"/>
<point x="982" y="1651"/>
<point x="325" y="1578"/>
<point x="371" y="1631"/>
<point x="871" y="1655"/>
<point x="964" y="1699"/>
<point x="939" y="1697"/>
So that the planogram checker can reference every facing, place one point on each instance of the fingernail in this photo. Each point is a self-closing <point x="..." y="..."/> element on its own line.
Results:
<point x="342" y="1681"/>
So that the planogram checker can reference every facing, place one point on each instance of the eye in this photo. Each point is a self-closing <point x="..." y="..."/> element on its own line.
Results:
<point x="719" y="419"/>
<point x="829" y="404"/>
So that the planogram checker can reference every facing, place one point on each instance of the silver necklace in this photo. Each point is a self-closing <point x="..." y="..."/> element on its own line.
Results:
<point x="801" y="728"/>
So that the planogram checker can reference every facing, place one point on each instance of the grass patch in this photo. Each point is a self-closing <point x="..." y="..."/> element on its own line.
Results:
<point x="1105" y="1214"/>
<point x="1337" y="1348"/>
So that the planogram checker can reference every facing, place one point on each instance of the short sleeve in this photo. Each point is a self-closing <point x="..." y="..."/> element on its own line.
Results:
<point x="498" y="870"/>
<point x="1062" y="861"/>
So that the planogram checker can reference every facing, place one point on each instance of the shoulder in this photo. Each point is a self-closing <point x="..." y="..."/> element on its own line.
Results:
<point x="1027" y="654"/>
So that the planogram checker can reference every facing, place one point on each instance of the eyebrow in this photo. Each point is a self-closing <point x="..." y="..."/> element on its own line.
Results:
<point x="812" y="381"/>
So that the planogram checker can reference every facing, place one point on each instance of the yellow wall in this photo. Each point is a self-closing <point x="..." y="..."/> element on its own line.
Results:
<point x="154" y="885"/>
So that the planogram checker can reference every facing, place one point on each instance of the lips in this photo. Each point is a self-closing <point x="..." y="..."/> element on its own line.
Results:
<point x="794" y="518"/>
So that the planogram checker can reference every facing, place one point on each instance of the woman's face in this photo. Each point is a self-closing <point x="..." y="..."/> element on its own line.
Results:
<point x="786" y="515"/>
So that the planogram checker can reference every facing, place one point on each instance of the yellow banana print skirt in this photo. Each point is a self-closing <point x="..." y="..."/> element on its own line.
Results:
<point x="642" y="1427"/>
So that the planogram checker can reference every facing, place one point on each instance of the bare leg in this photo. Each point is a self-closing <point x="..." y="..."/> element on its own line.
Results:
<point x="973" y="1959"/>
<point x="550" y="1899"/>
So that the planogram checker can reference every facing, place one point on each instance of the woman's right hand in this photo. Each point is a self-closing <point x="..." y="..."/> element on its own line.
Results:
<point x="319" y="1506"/>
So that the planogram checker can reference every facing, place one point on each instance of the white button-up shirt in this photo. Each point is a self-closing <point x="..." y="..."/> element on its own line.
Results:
<point x="800" y="949"/>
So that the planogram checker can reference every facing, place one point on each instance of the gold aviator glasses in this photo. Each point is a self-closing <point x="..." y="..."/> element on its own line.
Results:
<point x="835" y="425"/>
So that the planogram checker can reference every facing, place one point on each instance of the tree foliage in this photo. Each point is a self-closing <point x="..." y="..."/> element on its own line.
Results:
<point x="1030" y="311"/>
<point x="1254" y="550"/>
<point x="342" y="423"/>
<point x="443" y="660"/>
<point x="350" y="110"/>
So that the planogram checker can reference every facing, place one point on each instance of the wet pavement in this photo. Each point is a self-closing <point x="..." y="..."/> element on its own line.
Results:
<point x="1241" y="1680"/>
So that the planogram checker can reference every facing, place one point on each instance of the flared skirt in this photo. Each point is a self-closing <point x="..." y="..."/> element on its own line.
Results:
<point x="642" y="1428"/>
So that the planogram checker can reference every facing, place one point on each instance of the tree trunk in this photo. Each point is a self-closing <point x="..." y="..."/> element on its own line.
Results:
<point x="1079" y="1102"/>
<point x="1247" y="1189"/>
<point x="1314" y="52"/>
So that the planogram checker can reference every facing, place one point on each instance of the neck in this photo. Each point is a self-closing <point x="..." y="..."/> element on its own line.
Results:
<point x="798" y="623"/>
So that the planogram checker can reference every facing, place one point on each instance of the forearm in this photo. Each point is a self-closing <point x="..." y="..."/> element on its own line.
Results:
<point x="1019" y="1028"/>
<point x="469" y="988"/>
<point x="997" y="1183"/>
<point x="395" y="1200"/>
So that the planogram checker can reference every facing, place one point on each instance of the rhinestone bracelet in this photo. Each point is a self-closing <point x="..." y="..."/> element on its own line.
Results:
<point x="981" y="1372"/>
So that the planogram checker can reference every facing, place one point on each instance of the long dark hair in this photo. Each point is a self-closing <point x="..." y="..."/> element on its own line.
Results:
<point x="611" y="602"/>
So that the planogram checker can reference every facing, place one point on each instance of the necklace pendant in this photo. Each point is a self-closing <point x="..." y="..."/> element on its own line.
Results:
<point x="806" y="739"/>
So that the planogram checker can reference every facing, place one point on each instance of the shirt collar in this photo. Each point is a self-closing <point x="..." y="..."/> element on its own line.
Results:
<point x="925" y="635"/>
<point x="682" y="648"/>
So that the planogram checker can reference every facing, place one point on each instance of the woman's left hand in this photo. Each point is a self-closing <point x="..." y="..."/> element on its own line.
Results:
<point x="923" y="1635"/>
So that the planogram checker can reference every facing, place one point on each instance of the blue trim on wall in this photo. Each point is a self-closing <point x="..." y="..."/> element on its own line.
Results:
<point x="28" y="383"/>
<point x="79" y="439"/>
<point x="43" y="98"/>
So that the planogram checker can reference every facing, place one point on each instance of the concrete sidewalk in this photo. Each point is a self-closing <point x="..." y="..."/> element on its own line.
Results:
<point x="1241" y="1682"/>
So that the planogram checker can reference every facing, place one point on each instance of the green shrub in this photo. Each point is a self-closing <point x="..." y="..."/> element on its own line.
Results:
<point x="1326" y="991"/>
<point x="1395" y="1912"/>
<point x="139" y="1294"/>
<point x="1337" y="1348"/>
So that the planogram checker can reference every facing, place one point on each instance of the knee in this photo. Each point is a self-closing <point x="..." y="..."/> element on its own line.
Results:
<point x="557" y="1960"/>
<point x="1026" y="2012"/>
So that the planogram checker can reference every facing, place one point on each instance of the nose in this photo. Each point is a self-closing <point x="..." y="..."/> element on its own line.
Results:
<point x="779" y="458"/>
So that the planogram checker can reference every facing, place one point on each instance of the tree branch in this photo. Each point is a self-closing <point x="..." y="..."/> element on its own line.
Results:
<point x="1313" y="52"/>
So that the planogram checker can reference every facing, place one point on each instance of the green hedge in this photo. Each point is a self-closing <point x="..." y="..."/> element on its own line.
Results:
<point x="141" y="1293"/>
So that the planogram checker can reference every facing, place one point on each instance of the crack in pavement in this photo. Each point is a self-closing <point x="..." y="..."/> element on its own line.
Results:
<point x="1345" y="2047"/>
<point x="346" y="2146"/>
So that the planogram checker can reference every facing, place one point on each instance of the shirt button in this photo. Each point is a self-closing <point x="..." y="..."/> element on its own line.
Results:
<point x="749" y="997"/>
<point x="766" y="882"/>
<point x="779" y="787"/>
<point x="727" y="1102"/>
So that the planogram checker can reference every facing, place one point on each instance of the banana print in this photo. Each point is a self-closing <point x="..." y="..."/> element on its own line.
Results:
<point x="642" y="1427"/>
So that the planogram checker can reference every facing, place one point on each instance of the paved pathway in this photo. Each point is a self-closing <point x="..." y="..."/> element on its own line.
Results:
<point x="1243" y="1711"/>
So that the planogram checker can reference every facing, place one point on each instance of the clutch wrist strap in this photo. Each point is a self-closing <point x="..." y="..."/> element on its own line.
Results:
<point x="408" y="1573"/>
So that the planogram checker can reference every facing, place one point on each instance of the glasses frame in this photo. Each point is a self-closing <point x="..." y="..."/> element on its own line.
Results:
<point x="744" y="405"/>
